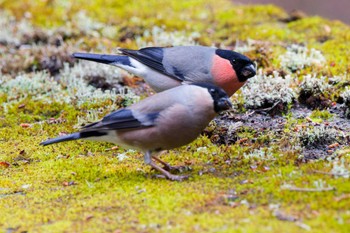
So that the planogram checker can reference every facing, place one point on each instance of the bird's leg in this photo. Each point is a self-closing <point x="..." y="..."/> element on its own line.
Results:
<point x="168" y="175"/>
<point x="168" y="167"/>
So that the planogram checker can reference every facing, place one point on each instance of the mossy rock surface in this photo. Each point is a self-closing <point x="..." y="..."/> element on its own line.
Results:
<point x="279" y="162"/>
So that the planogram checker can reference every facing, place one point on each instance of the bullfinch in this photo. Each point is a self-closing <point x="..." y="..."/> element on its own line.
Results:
<point x="165" y="68"/>
<point x="166" y="120"/>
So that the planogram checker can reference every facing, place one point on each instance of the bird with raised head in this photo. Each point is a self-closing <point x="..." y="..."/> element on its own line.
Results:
<point x="165" y="68"/>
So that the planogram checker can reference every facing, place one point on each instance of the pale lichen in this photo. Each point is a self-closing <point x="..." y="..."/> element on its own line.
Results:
<point x="73" y="79"/>
<point x="346" y="97"/>
<point x="244" y="47"/>
<point x="340" y="168"/>
<point x="158" y="36"/>
<point x="315" y="91"/>
<point x="13" y="31"/>
<point x="90" y="26"/>
<point x="266" y="90"/>
<point x="318" y="136"/>
<point x="260" y="154"/>
<point x="91" y="72"/>
<point x="39" y="86"/>
<point x="298" y="57"/>
<point x="71" y="88"/>
<point x="313" y="85"/>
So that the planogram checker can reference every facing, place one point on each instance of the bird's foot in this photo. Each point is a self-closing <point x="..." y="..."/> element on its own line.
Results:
<point x="176" y="169"/>
<point x="165" y="171"/>
<point x="169" y="168"/>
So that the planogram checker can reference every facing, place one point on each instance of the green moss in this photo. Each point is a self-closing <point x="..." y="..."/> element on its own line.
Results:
<point x="320" y="115"/>
<point x="83" y="186"/>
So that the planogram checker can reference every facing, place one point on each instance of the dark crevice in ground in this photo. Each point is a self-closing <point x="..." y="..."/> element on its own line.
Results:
<point x="315" y="140"/>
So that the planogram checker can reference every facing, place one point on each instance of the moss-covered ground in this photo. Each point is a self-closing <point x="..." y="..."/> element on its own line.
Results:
<point x="279" y="162"/>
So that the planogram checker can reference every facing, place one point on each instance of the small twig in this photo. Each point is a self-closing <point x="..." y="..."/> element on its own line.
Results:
<point x="325" y="173"/>
<point x="342" y="197"/>
<point x="330" y="173"/>
<point x="265" y="110"/>
<point x="308" y="189"/>
<point x="248" y="114"/>
<point x="303" y="225"/>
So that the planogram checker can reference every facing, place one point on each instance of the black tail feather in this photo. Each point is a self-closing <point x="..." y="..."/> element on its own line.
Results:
<point x="103" y="58"/>
<point x="64" y="138"/>
<point x="74" y="136"/>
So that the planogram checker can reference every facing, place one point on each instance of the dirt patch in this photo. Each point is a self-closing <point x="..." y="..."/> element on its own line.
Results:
<point x="314" y="138"/>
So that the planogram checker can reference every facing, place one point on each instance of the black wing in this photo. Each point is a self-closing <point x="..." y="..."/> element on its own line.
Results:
<point x="122" y="119"/>
<point x="151" y="57"/>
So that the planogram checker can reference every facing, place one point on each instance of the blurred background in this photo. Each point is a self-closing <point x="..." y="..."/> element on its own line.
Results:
<point x="336" y="9"/>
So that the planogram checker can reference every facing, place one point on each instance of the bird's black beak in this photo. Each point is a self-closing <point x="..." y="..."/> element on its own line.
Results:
<point x="223" y="104"/>
<point x="248" y="71"/>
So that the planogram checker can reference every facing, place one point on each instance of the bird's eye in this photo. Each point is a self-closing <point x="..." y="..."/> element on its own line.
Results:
<point x="234" y="61"/>
<point x="212" y="91"/>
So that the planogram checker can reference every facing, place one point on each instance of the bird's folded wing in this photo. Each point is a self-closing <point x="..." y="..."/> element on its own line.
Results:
<point x="122" y="119"/>
<point x="151" y="57"/>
